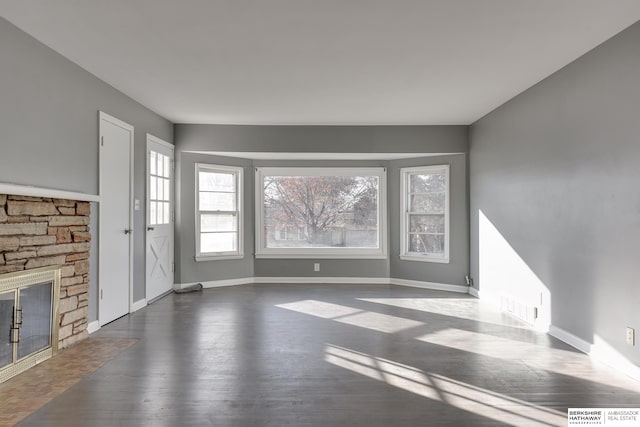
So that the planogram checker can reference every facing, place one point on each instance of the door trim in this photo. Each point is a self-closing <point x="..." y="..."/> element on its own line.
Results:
<point x="106" y="117"/>
<point x="152" y="139"/>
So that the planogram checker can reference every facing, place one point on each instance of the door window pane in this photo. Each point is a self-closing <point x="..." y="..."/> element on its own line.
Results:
<point x="159" y="189"/>
<point x="153" y="188"/>
<point x="166" y="166"/>
<point x="152" y="163"/>
<point x="167" y="190"/>
<point x="160" y="165"/>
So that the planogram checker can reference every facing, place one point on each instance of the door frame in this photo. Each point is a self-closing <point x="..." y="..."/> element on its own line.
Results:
<point x="152" y="139"/>
<point x="117" y="122"/>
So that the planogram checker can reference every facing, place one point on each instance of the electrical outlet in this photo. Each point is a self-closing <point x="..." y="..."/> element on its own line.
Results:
<point x="316" y="266"/>
<point x="631" y="336"/>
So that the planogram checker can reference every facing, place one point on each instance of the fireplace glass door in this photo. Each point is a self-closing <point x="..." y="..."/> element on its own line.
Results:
<point x="35" y="315"/>
<point x="28" y="319"/>
<point x="7" y="305"/>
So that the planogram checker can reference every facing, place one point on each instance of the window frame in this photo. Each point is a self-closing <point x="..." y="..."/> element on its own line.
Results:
<point x="238" y="171"/>
<point x="405" y="174"/>
<point x="261" y="251"/>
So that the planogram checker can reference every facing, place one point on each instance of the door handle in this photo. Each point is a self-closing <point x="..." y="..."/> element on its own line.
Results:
<point x="18" y="320"/>
<point x="128" y="230"/>
<point x="150" y="228"/>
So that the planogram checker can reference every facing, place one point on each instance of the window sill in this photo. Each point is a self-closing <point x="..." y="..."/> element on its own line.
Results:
<point x="424" y="258"/>
<point x="320" y="256"/>
<point x="200" y="258"/>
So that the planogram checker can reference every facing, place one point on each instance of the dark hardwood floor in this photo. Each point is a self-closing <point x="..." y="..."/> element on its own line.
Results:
<point x="333" y="355"/>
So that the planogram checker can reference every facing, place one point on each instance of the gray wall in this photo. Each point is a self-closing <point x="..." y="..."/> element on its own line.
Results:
<point x="455" y="271"/>
<point x="330" y="139"/>
<point x="49" y="117"/>
<point x="187" y="269"/>
<point x="556" y="173"/>
<point x="347" y="139"/>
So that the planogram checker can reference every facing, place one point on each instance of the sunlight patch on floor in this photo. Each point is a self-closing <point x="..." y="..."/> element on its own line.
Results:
<point x="536" y="356"/>
<point x="461" y="308"/>
<point x="352" y="316"/>
<point x="437" y="387"/>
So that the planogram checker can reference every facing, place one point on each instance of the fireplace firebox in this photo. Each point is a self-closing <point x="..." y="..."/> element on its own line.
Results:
<point x="28" y="319"/>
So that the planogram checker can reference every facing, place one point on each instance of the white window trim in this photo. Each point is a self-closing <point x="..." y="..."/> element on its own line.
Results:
<point x="219" y="256"/>
<point x="322" y="253"/>
<point x="404" y="220"/>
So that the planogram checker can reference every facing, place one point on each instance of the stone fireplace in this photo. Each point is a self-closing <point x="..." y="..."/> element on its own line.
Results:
<point x="40" y="232"/>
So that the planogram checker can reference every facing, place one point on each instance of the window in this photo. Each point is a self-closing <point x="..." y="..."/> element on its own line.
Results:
<point x="320" y="213"/>
<point x="425" y="219"/>
<point x="159" y="188"/>
<point x="218" y="212"/>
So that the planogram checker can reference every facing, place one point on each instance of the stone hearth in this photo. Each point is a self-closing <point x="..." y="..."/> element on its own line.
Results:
<point x="39" y="231"/>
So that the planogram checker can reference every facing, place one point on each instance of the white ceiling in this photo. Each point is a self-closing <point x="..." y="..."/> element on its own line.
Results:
<point x="322" y="61"/>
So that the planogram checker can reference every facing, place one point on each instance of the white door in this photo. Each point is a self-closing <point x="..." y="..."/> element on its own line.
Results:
<point x="159" y="217"/>
<point x="115" y="221"/>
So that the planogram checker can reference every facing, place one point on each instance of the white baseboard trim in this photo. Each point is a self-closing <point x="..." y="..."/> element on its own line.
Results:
<point x="217" y="283"/>
<point x="570" y="339"/>
<point x="474" y="292"/>
<point x="600" y="351"/>
<point x="430" y="285"/>
<point x="93" y="326"/>
<point x="138" y="305"/>
<point x="228" y="282"/>
<point x="327" y="280"/>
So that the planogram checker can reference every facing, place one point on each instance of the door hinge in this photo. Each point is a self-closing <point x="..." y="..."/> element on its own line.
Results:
<point x="101" y="293"/>
<point x="173" y="267"/>
<point x="102" y="141"/>
<point x="173" y="165"/>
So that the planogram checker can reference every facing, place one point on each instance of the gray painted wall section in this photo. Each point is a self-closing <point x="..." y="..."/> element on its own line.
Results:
<point x="455" y="271"/>
<point x="49" y="117"/>
<point x="331" y="139"/>
<point x="346" y="139"/>
<point x="556" y="172"/>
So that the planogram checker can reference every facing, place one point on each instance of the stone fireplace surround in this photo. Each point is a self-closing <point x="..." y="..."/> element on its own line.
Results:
<point x="40" y="231"/>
